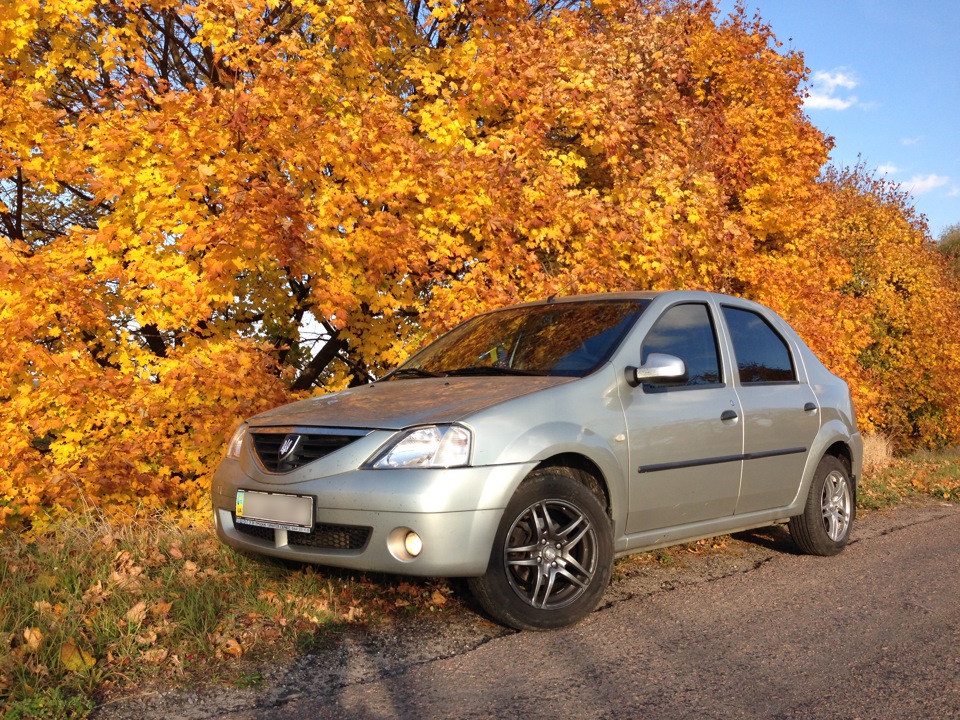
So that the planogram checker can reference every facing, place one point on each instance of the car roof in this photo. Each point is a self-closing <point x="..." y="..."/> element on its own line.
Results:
<point x="633" y="295"/>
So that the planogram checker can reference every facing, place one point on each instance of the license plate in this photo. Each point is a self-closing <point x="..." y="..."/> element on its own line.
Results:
<point x="275" y="510"/>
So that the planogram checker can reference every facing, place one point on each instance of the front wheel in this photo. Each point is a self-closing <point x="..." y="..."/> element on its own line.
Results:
<point x="552" y="555"/>
<point x="824" y="527"/>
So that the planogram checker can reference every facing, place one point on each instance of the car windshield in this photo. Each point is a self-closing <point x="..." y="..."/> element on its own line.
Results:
<point x="568" y="339"/>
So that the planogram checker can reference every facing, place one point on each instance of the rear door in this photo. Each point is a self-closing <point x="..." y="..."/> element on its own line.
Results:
<point x="780" y="411"/>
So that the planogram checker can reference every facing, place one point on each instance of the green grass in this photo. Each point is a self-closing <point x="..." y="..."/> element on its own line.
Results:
<point x="95" y="607"/>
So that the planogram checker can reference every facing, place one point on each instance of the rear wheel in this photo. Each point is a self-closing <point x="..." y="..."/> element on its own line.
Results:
<point x="824" y="528"/>
<point x="552" y="556"/>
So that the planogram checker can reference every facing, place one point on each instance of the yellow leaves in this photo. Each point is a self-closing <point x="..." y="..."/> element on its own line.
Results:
<point x="390" y="187"/>
<point x="74" y="659"/>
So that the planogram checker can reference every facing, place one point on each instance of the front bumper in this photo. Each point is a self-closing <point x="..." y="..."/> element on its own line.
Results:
<point x="361" y="517"/>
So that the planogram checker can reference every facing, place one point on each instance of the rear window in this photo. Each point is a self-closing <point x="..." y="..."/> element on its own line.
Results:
<point x="763" y="356"/>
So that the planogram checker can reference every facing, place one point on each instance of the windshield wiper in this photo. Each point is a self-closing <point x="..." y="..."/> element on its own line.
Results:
<point x="414" y="372"/>
<point x="489" y="370"/>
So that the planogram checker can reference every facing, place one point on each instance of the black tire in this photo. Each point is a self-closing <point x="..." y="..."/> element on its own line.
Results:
<point x="552" y="556"/>
<point x="824" y="528"/>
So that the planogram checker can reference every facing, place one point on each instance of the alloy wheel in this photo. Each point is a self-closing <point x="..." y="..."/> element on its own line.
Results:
<point x="551" y="554"/>
<point x="836" y="501"/>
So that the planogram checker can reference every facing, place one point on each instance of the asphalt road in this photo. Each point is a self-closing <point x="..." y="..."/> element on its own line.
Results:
<point x="873" y="633"/>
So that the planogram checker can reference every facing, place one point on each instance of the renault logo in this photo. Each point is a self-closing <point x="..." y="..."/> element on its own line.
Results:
<point x="288" y="447"/>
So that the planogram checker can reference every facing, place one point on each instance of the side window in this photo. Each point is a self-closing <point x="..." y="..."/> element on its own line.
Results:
<point x="686" y="332"/>
<point x="762" y="355"/>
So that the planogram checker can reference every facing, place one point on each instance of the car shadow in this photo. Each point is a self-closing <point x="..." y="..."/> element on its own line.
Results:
<point x="773" y="537"/>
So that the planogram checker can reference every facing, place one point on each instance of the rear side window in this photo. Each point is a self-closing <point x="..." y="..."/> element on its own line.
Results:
<point x="686" y="332"/>
<point x="763" y="356"/>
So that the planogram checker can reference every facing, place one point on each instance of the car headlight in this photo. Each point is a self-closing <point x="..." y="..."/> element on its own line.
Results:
<point x="433" y="446"/>
<point x="236" y="442"/>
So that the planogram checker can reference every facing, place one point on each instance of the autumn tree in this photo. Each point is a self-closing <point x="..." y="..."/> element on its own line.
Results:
<point x="949" y="244"/>
<point x="910" y="364"/>
<point x="210" y="208"/>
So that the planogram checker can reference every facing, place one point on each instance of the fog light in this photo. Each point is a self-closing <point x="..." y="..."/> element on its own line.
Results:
<point x="413" y="544"/>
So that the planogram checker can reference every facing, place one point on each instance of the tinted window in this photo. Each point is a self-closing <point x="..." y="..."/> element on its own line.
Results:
<point x="762" y="355"/>
<point x="565" y="338"/>
<point x="686" y="332"/>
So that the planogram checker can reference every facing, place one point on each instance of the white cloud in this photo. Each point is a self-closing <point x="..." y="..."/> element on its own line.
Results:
<point x="920" y="184"/>
<point x="824" y="89"/>
<point x="888" y="169"/>
<point x="815" y="101"/>
<point x="911" y="141"/>
<point x="954" y="191"/>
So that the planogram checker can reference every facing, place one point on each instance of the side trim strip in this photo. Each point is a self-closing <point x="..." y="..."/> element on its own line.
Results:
<point x="774" y="453"/>
<point x="719" y="460"/>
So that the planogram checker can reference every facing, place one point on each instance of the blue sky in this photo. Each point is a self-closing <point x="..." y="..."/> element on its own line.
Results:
<point x="885" y="83"/>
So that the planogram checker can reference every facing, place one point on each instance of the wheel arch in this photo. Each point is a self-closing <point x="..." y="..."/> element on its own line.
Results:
<point x="844" y="453"/>
<point x="838" y="440"/>
<point x="587" y="472"/>
<point x="841" y="450"/>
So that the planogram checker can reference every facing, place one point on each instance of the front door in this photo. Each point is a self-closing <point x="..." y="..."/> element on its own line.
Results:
<point x="686" y="438"/>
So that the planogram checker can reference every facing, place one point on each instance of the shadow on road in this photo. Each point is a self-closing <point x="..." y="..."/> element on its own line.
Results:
<point x="774" y="537"/>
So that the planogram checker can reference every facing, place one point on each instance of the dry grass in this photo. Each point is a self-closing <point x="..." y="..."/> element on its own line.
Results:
<point x="877" y="453"/>
<point x="92" y="605"/>
<point x="888" y="480"/>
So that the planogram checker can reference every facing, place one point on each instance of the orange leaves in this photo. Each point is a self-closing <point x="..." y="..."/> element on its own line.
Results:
<point x="184" y="218"/>
<point x="231" y="648"/>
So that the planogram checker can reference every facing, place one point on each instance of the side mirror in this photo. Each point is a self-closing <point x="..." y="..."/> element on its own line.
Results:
<point x="659" y="367"/>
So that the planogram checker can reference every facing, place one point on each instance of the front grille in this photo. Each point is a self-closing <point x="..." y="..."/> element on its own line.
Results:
<point x="273" y="445"/>
<point x="322" y="537"/>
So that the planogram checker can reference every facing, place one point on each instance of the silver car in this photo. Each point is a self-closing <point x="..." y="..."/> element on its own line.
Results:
<point x="530" y="446"/>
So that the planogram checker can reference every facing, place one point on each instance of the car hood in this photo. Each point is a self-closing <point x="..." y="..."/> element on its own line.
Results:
<point x="396" y="404"/>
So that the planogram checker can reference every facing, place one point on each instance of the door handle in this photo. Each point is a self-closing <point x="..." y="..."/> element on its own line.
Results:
<point x="727" y="415"/>
<point x="810" y="407"/>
